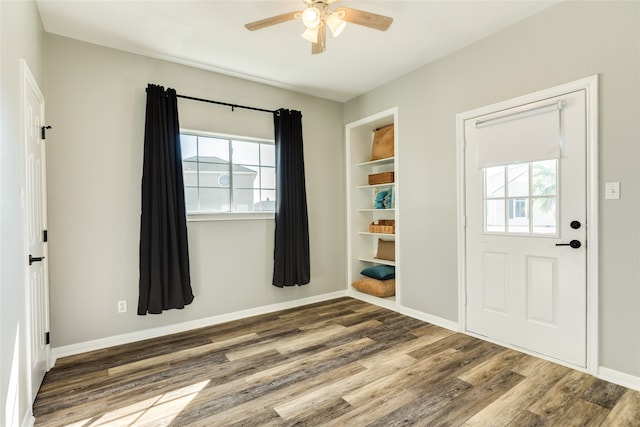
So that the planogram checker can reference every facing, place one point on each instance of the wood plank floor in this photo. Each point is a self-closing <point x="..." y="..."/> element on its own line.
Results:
<point x="337" y="363"/>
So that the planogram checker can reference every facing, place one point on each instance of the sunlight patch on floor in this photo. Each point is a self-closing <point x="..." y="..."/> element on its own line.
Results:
<point x="157" y="411"/>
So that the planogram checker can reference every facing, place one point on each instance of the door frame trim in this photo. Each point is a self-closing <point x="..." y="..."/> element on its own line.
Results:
<point x="590" y="85"/>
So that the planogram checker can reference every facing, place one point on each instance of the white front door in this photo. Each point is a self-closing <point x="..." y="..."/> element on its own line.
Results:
<point x="36" y="224"/>
<point x="526" y="222"/>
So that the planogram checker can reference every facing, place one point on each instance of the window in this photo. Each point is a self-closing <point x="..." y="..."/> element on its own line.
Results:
<point x="521" y="198"/>
<point x="225" y="174"/>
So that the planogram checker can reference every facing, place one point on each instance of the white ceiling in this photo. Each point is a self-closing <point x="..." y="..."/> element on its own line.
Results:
<point x="211" y="35"/>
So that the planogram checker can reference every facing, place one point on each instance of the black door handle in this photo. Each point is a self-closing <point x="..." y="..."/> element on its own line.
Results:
<point x="34" y="259"/>
<point x="575" y="244"/>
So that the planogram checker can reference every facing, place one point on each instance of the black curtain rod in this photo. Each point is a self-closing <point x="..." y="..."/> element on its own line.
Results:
<point x="233" y="106"/>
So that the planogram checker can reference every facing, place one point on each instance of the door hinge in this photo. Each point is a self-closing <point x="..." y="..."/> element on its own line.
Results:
<point x="43" y="131"/>
<point x="47" y="338"/>
<point x="33" y="259"/>
<point x="44" y="236"/>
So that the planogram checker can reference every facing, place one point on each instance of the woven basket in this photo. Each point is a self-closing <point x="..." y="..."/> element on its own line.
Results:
<point x="381" y="178"/>
<point x="385" y="226"/>
<point x="382" y="146"/>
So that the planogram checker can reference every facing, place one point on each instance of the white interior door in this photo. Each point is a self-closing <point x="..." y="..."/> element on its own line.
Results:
<point x="36" y="224"/>
<point x="526" y="253"/>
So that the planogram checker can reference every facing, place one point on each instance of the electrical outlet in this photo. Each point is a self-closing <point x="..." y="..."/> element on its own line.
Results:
<point x="612" y="190"/>
<point x="122" y="306"/>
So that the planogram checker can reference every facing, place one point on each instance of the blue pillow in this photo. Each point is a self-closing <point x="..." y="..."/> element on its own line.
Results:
<point x="380" y="272"/>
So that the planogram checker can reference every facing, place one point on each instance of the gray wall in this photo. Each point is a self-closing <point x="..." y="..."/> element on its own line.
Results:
<point x="95" y="101"/>
<point x="96" y="104"/>
<point x="564" y="43"/>
<point x="22" y="37"/>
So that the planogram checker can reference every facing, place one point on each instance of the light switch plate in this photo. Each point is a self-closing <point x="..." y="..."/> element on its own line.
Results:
<point x="612" y="190"/>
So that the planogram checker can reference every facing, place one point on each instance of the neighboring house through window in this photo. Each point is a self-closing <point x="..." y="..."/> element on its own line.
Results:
<point x="226" y="174"/>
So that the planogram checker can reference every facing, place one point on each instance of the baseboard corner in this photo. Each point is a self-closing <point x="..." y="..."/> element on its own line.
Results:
<point x="429" y="318"/>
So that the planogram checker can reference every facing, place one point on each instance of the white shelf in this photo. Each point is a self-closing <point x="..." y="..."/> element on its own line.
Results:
<point x="376" y="210"/>
<point x="377" y="261"/>
<point x="385" y="161"/>
<point x="388" y="302"/>
<point x="389" y="184"/>
<point x="362" y="245"/>
<point x="368" y="233"/>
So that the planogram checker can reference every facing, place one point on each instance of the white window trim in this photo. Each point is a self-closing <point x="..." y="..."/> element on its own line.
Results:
<point x="225" y="135"/>
<point x="230" y="216"/>
<point x="227" y="216"/>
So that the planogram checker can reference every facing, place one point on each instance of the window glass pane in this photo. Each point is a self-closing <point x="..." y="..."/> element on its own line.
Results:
<point x="191" y="199"/>
<point x="268" y="178"/>
<point x="224" y="180"/>
<point x="268" y="154"/>
<point x="213" y="150"/>
<point x="543" y="178"/>
<point x="518" y="208"/>
<point x="246" y="176"/>
<point x="530" y="198"/>
<point x="494" y="215"/>
<point x="494" y="182"/>
<point x="244" y="200"/>
<point x="246" y="153"/>
<point x="213" y="175"/>
<point x="214" y="200"/>
<point x="267" y="200"/>
<point x="518" y="216"/>
<point x="189" y="144"/>
<point x="518" y="180"/>
<point x="190" y="174"/>
<point x="544" y="215"/>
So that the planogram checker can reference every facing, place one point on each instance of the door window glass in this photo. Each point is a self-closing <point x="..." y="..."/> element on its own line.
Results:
<point x="521" y="198"/>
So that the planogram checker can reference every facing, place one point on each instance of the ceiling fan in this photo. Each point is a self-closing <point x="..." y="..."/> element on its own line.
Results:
<point x="318" y="15"/>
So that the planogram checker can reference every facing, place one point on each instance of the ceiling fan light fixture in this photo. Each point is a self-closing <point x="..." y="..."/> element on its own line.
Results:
<point x="335" y="24"/>
<point x="318" y="15"/>
<point x="311" y="34"/>
<point x="311" y="17"/>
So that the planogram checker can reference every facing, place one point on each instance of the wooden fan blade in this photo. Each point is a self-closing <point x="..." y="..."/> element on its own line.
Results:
<point x="267" y="22"/>
<point x="322" y="41"/>
<point x="368" y="19"/>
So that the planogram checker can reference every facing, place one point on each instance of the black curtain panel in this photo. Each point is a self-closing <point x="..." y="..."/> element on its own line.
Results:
<point x="164" y="255"/>
<point x="291" y="264"/>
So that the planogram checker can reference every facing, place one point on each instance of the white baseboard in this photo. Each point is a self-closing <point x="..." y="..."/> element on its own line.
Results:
<point x="620" y="378"/>
<point x="392" y="304"/>
<point x="611" y="375"/>
<point x="435" y="320"/>
<point x="389" y="303"/>
<point x="28" y="420"/>
<point x="83" y="347"/>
